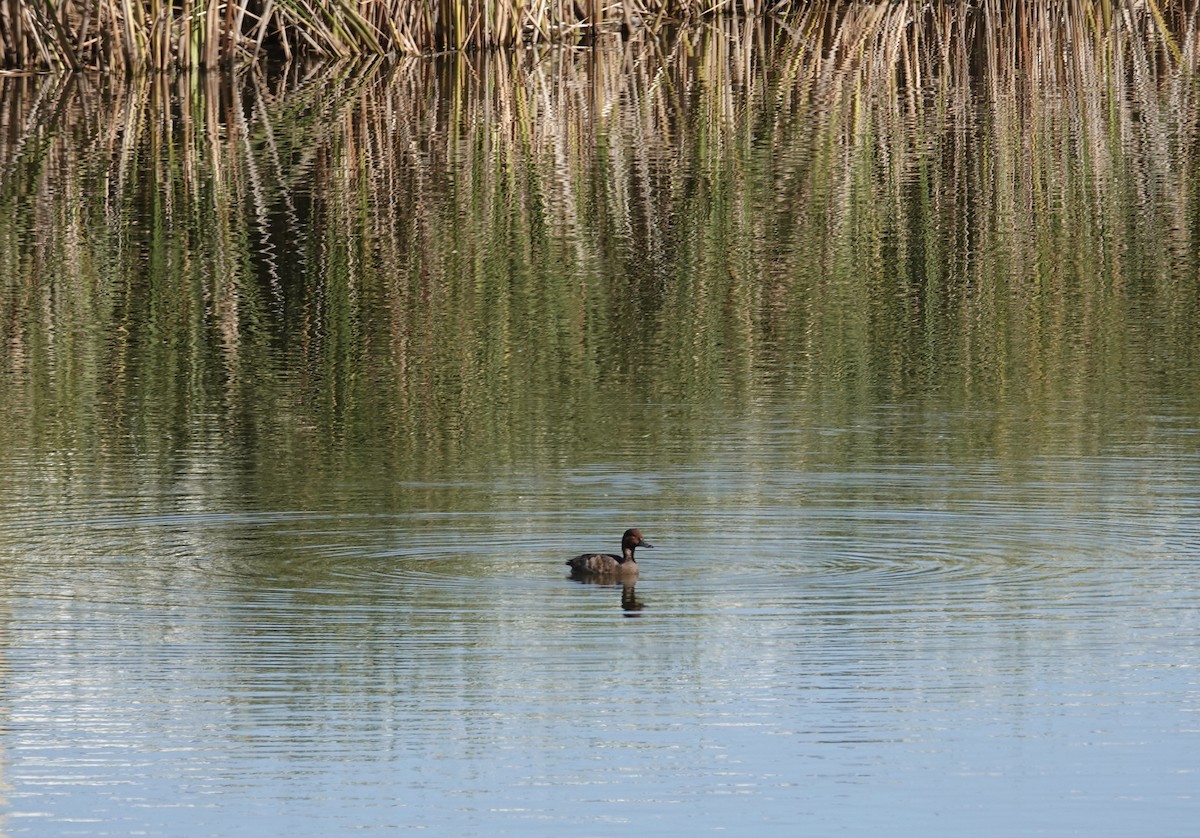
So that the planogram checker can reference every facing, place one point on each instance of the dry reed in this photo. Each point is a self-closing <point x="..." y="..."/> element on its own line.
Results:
<point x="136" y="35"/>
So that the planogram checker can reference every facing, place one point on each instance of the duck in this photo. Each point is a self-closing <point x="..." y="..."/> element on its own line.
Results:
<point x="608" y="564"/>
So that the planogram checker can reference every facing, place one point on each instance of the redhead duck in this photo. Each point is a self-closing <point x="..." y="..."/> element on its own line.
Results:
<point x="608" y="564"/>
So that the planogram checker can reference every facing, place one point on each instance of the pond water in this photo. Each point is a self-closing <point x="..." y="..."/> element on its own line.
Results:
<point x="310" y="386"/>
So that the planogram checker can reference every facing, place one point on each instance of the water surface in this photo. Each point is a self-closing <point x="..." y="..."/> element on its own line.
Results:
<point x="311" y="385"/>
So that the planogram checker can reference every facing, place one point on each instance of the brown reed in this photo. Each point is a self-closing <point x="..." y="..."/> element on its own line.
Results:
<point x="132" y="36"/>
<point x="135" y="35"/>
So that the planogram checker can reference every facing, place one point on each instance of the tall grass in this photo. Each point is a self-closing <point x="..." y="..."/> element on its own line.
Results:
<point x="137" y="35"/>
<point x="133" y="35"/>
<point x="442" y="252"/>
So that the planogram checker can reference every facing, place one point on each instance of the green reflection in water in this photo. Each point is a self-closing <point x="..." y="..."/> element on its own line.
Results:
<point x="444" y="268"/>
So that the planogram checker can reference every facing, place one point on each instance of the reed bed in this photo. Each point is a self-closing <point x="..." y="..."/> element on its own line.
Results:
<point x="958" y="180"/>
<point x="136" y="35"/>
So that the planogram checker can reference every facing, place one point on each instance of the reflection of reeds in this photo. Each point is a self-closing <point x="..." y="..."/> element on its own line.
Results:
<point x="443" y="253"/>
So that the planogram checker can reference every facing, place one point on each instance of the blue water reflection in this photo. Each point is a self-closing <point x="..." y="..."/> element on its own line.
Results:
<point x="972" y="654"/>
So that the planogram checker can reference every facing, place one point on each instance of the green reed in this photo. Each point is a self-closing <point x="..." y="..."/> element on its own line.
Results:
<point x="457" y="256"/>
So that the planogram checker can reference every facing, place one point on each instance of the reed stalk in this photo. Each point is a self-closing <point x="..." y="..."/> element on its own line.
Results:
<point x="136" y="35"/>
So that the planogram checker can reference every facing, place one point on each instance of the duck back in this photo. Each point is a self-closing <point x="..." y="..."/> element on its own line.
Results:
<point x="601" y="564"/>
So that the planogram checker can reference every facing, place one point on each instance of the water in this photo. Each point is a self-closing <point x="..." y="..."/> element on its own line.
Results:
<point x="288" y="486"/>
<point x="910" y="648"/>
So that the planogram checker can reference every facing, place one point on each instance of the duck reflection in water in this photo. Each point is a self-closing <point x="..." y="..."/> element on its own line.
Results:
<point x="631" y="603"/>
